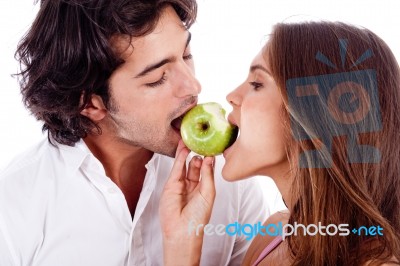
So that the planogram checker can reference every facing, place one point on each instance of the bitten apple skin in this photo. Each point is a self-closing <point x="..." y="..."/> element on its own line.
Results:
<point x="206" y="131"/>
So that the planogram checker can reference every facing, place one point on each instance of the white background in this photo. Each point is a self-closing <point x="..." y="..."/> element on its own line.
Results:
<point x="227" y="35"/>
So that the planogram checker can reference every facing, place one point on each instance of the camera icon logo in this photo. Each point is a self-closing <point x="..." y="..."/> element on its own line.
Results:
<point x="343" y="104"/>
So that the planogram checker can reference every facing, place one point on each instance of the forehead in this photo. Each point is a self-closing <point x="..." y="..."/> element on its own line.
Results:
<point x="164" y="35"/>
<point x="260" y="59"/>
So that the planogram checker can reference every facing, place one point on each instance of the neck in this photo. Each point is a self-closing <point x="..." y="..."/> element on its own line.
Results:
<point x="283" y="180"/>
<point x="124" y="164"/>
<point x="283" y="185"/>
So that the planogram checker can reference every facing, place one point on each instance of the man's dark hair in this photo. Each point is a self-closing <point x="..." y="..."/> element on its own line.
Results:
<point x="66" y="55"/>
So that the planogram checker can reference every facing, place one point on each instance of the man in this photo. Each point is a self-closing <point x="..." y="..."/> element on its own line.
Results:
<point x="110" y="80"/>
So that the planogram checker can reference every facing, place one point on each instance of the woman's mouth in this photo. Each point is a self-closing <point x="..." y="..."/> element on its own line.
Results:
<point x="228" y="150"/>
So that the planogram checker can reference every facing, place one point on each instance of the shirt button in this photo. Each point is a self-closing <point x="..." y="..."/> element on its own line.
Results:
<point x="112" y="190"/>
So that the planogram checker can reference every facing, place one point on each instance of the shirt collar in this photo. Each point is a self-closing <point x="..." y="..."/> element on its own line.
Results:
<point x="75" y="155"/>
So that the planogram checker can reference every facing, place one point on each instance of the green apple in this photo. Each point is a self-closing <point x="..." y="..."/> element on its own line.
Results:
<point x="206" y="131"/>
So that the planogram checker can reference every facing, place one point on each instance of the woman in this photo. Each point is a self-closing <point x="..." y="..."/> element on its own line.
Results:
<point x="318" y="113"/>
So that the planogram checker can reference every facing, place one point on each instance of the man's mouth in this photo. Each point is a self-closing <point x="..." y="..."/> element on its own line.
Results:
<point x="176" y="123"/>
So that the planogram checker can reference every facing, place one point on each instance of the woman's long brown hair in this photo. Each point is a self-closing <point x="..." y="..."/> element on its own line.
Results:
<point x="356" y="193"/>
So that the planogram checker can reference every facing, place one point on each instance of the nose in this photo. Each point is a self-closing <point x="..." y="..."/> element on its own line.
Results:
<point x="234" y="98"/>
<point x="189" y="85"/>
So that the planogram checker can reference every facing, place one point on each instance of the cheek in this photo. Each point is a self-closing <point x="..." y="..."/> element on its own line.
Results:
<point x="136" y="103"/>
<point x="261" y="122"/>
<point x="141" y="113"/>
<point x="262" y="133"/>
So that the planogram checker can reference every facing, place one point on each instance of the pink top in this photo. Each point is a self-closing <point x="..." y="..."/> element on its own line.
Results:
<point x="271" y="246"/>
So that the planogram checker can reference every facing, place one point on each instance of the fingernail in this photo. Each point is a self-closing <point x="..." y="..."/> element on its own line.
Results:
<point x="210" y="161"/>
<point x="197" y="161"/>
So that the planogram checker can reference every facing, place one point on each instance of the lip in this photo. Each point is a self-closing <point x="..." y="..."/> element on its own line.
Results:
<point x="180" y="116"/>
<point x="231" y="120"/>
<point x="227" y="151"/>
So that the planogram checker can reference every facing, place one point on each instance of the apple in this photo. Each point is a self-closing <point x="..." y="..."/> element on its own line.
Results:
<point x="206" y="131"/>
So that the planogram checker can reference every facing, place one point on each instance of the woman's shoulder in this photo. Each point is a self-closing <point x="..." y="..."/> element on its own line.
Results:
<point x="261" y="241"/>
<point x="281" y="216"/>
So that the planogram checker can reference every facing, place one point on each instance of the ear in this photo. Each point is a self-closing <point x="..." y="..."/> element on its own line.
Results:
<point x="95" y="109"/>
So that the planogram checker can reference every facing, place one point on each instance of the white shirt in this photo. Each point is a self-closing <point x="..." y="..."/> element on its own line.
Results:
<point x="57" y="207"/>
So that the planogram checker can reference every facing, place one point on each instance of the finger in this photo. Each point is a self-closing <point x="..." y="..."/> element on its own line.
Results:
<point x="180" y="148"/>
<point x="194" y="169"/>
<point x="193" y="175"/>
<point x="207" y="186"/>
<point x="178" y="170"/>
<point x="181" y="145"/>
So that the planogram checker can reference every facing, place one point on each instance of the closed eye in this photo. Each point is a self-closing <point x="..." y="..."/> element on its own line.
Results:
<point x="187" y="57"/>
<point x="157" y="83"/>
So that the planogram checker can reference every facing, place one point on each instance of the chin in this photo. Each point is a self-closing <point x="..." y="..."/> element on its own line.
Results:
<point x="169" y="150"/>
<point x="231" y="174"/>
<point x="169" y="146"/>
<point x="166" y="146"/>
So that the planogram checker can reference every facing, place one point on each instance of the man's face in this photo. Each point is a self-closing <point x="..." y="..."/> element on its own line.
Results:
<point x="154" y="87"/>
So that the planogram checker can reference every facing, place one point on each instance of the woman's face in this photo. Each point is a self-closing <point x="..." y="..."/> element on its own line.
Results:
<point x="257" y="108"/>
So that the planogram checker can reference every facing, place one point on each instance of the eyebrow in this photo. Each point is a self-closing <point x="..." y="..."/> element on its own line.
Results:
<point x="159" y="64"/>
<point x="260" y="67"/>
